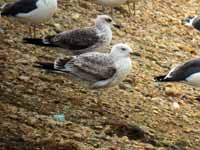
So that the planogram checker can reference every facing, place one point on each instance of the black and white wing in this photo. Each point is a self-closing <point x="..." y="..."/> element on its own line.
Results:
<point x="181" y="72"/>
<point x="196" y="23"/>
<point x="20" y="6"/>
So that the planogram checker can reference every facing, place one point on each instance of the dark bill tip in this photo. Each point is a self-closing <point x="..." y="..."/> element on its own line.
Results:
<point x="118" y="26"/>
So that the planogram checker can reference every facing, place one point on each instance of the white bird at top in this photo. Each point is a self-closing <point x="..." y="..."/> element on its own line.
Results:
<point x="116" y="3"/>
<point x="32" y="12"/>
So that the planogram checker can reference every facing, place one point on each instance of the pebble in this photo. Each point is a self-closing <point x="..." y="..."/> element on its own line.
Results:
<point x="58" y="27"/>
<point x="171" y="91"/>
<point x="2" y="31"/>
<point x="24" y="78"/>
<point x="175" y="106"/>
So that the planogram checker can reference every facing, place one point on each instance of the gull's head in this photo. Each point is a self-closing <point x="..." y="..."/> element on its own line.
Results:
<point x="121" y="50"/>
<point x="106" y="20"/>
<point x="189" y="21"/>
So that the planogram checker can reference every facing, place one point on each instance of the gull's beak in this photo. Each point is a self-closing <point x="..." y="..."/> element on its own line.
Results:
<point x="118" y="26"/>
<point x="131" y="52"/>
<point x="184" y="21"/>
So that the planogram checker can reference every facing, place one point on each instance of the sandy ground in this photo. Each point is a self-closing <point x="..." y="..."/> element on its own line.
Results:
<point x="136" y="115"/>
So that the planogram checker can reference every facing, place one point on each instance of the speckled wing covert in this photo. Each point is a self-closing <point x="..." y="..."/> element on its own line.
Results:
<point x="76" y="39"/>
<point x="89" y="66"/>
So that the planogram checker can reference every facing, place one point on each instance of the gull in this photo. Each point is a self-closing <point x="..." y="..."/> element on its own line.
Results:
<point x="193" y="22"/>
<point x="31" y="12"/>
<point x="116" y="3"/>
<point x="188" y="73"/>
<point x="81" y="40"/>
<point x="97" y="70"/>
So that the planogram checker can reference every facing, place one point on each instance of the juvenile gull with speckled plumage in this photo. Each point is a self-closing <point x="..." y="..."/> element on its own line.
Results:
<point x="82" y="40"/>
<point x="99" y="70"/>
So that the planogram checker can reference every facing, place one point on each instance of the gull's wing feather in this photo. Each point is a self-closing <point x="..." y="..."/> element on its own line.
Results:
<point x="20" y="6"/>
<point x="196" y="23"/>
<point x="90" y="67"/>
<point x="76" y="39"/>
<point x="181" y="72"/>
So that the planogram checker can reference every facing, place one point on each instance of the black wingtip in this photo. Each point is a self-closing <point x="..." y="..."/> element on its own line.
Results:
<point x="33" y="41"/>
<point x="40" y="42"/>
<point x="44" y="65"/>
<point x="160" y="78"/>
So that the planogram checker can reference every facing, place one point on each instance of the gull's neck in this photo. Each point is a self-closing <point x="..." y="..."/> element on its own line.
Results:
<point x="191" y="22"/>
<point x="104" y="31"/>
<point x="50" y="2"/>
<point x="103" y="27"/>
<point x="117" y="58"/>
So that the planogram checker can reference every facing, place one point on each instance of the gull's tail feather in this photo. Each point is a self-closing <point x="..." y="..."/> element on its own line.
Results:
<point x="61" y="62"/>
<point x="5" y="9"/>
<point x="2" y="6"/>
<point x="163" y="78"/>
<point x="41" y="42"/>
<point x="44" y="65"/>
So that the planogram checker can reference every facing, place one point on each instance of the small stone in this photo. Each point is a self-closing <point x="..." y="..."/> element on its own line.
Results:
<point x="75" y="16"/>
<point x="78" y="135"/>
<point x="2" y="31"/>
<point x="99" y="127"/>
<point x="175" y="106"/>
<point x="171" y="91"/>
<point x="126" y="86"/>
<point x="125" y="139"/>
<point x="58" y="27"/>
<point x="24" y="78"/>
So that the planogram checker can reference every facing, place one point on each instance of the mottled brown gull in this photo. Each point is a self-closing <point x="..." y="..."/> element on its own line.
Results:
<point x="98" y="70"/>
<point x="81" y="40"/>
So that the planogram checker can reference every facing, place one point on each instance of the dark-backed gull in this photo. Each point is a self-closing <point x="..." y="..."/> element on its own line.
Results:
<point x="32" y="12"/>
<point x="193" y="22"/>
<point x="188" y="72"/>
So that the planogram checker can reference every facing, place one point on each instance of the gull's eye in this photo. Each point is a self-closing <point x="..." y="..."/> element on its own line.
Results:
<point x="108" y="20"/>
<point x="123" y="49"/>
<point x="187" y="20"/>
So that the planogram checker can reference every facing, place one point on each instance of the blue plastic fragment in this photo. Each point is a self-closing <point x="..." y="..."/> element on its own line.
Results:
<point x="59" y="117"/>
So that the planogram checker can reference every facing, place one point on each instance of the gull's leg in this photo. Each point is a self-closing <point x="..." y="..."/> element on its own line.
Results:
<point x="30" y="31"/>
<point x="112" y="11"/>
<point x="104" y="9"/>
<point x="99" y="100"/>
<point x="134" y="7"/>
<point x="34" y="31"/>
<point x="152" y="3"/>
<point x="79" y="1"/>
<point x="129" y="9"/>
